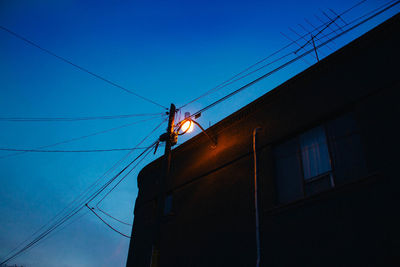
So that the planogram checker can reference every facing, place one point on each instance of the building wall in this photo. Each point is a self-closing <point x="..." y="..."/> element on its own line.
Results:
<point x="212" y="223"/>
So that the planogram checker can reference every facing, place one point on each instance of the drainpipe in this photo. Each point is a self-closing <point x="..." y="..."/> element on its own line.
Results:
<point x="256" y="195"/>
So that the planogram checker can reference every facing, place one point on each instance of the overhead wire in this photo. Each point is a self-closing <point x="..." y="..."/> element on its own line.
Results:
<point x="77" y="199"/>
<point x="226" y="82"/>
<point x="148" y="135"/>
<point x="272" y="62"/>
<point x="121" y="160"/>
<point x="73" y="211"/>
<point x="47" y="232"/>
<point x="69" y="151"/>
<point x="391" y="4"/>
<point x="295" y="52"/>
<point x="74" y="220"/>
<point x="101" y="200"/>
<point x="83" y="137"/>
<point x="111" y="181"/>
<point x="69" y="215"/>
<point x="222" y="99"/>
<point x="99" y="191"/>
<point x="267" y="64"/>
<point x="322" y="34"/>
<point x="79" y="67"/>
<point x="109" y="225"/>
<point x="114" y="218"/>
<point x="106" y="213"/>
<point x="68" y="224"/>
<point x="69" y="119"/>
<point x="83" y="195"/>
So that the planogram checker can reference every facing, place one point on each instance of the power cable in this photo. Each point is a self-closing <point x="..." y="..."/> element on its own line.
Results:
<point x="39" y="238"/>
<point x="79" y="67"/>
<point x="62" y="228"/>
<point x="73" y="212"/>
<point x="78" y="208"/>
<point x="279" y="58"/>
<point x="116" y="176"/>
<point x="224" y="84"/>
<point x="289" y="62"/>
<point x="82" y="137"/>
<point x="70" y="151"/>
<point x="101" y="200"/>
<point x="121" y="160"/>
<point x="82" y="196"/>
<point x="109" y="215"/>
<point x="295" y="59"/>
<point x="290" y="53"/>
<point x="60" y="119"/>
<point x="112" y="217"/>
<point x="98" y="216"/>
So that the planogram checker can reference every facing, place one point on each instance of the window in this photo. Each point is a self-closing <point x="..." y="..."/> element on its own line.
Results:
<point x="318" y="159"/>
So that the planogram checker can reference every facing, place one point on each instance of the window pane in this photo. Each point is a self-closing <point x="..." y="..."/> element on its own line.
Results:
<point x="288" y="172"/>
<point x="347" y="150"/>
<point x="314" y="153"/>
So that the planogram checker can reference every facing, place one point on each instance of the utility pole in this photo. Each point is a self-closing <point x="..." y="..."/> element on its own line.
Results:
<point x="170" y="139"/>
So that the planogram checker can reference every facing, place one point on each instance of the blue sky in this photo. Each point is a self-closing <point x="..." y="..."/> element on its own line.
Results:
<point x="168" y="51"/>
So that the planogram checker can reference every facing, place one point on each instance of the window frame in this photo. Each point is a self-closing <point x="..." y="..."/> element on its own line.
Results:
<point x="330" y="141"/>
<point x="320" y="176"/>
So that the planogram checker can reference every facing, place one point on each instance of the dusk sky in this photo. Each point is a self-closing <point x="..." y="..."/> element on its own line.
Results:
<point x="167" y="51"/>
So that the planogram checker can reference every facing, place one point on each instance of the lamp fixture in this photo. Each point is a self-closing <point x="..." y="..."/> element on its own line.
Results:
<point x="187" y="125"/>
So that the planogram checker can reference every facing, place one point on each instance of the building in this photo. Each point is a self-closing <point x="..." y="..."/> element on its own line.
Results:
<point x="326" y="157"/>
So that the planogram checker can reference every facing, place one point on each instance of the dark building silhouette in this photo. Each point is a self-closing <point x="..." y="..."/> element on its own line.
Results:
<point x="327" y="168"/>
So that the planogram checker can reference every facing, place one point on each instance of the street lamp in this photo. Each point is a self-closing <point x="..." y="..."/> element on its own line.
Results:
<point x="187" y="125"/>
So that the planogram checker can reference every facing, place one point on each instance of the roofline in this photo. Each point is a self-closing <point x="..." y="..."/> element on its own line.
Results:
<point x="286" y="85"/>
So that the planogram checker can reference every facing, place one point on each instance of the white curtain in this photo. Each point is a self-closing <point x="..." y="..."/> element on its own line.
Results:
<point x="314" y="153"/>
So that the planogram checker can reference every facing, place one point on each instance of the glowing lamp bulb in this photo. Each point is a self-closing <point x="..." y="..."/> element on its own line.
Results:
<point x="187" y="126"/>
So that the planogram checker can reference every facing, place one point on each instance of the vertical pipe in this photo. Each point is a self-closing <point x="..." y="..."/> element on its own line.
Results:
<point x="256" y="196"/>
